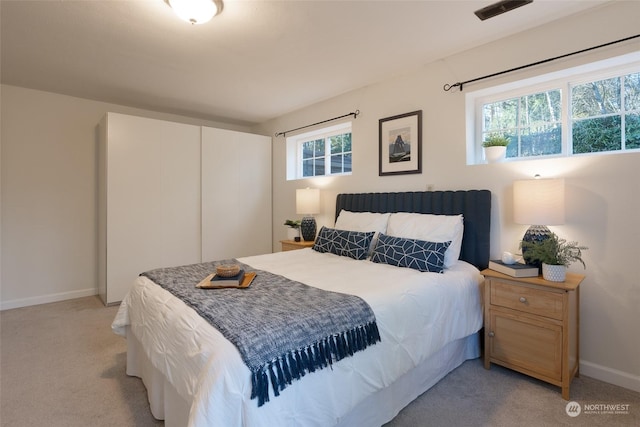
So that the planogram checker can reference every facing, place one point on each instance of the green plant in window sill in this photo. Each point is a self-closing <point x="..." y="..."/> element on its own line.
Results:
<point x="496" y="140"/>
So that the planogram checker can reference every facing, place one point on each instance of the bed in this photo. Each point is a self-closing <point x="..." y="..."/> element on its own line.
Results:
<point x="428" y="322"/>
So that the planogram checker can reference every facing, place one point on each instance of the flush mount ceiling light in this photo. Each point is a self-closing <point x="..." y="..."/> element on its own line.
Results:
<point x="195" y="11"/>
<point x="499" y="8"/>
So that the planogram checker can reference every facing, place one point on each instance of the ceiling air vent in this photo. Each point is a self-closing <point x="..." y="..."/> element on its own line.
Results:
<point x="499" y="8"/>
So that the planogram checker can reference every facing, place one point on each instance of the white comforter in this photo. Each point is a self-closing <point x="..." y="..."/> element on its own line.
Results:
<point x="417" y="314"/>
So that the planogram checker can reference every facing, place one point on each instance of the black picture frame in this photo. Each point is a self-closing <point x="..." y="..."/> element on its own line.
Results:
<point x="400" y="144"/>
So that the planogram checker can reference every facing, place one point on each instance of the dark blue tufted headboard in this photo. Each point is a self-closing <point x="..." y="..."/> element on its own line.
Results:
<point x="474" y="205"/>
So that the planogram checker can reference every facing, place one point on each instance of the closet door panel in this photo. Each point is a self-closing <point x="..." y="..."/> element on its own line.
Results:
<point x="180" y="183"/>
<point x="152" y="198"/>
<point x="236" y="194"/>
<point x="132" y="193"/>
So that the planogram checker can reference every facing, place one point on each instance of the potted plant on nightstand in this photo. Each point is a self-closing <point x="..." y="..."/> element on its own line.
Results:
<point x="293" y="232"/>
<point x="495" y="147"/>
<point x="555" y="254"/>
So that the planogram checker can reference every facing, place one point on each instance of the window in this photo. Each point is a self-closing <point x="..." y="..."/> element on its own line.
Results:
<point x="590" y="109"/>
<point x="605" y="114"/>
<point x="532" y="122"/>
<point x="322" y="152"/>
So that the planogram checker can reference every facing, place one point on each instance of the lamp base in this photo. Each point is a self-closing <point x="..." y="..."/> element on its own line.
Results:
<point x="535" y="233"/>
<point x="308" y="228"/>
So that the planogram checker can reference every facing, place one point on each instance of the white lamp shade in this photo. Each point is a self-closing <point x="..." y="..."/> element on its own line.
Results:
<point x="307" y="201"/>
<point x="194" y="11"/>
<point x="538" y="201"/>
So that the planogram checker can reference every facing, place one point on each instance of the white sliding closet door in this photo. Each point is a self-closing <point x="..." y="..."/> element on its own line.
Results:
<point x="236" y="194"/>
<point x="149" y="199"/>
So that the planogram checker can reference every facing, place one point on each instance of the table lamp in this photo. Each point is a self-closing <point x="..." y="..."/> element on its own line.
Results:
<point x="538" y="203"/>
<point x="308" y="203"/>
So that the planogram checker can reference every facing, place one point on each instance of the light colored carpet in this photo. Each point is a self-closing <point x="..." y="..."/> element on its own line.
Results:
<point x="499" y="397"/>
<point x="62" y="366"/>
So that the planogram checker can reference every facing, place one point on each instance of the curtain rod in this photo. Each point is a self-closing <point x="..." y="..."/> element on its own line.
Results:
<point x="448" y="87"/>
<point x="354" y="114"/>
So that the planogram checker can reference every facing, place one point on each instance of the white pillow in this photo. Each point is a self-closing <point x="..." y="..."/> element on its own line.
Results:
<point x="433" y="228"/>
<point x="363" y="221"/>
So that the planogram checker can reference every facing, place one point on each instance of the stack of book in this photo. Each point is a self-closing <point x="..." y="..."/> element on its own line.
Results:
<point x="234" y="280"/>
<point x="515" y="270"/>
<point x="215" y="281"/>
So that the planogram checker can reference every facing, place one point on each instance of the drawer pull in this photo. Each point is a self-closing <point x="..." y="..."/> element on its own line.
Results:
<point x="523" y="300"/>
<point x="492" y="334"/>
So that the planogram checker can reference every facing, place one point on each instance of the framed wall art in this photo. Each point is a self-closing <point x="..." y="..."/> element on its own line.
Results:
<point x="400" y="144"/>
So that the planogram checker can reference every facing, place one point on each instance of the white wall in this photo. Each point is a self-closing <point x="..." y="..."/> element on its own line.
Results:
<point x="49" y="194"/>
<point x="603" y="192"/>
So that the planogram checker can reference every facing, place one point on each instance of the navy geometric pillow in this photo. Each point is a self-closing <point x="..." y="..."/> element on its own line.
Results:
<point x="417" y="254"/>
<point x="354" y="244"/>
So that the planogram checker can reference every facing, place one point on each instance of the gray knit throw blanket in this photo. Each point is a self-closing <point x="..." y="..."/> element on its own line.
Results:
<point x="282" y="328"/>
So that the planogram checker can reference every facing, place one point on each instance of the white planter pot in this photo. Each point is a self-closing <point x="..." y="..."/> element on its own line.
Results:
<point x="554" y="273"/>
<point x="292" y="233"/>
<point x="495" y="154"/>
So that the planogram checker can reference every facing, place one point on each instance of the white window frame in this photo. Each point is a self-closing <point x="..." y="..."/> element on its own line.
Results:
<point x="563" y="80"/>
<point x="294" y="150"/>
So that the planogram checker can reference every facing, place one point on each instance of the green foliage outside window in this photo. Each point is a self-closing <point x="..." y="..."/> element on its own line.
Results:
<point x="598" y="110"/>
<point x="340" y="153"/>
<point x="545" y="140"/>
<point x="598" y="134"/>
<point x="604" y="116"/>
<point x="533" y="122"/>
<point x="632" y="131"/>
<point x="314" y="155"/>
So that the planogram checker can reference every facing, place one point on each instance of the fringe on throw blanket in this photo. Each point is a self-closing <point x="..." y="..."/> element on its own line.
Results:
<point x="295" y="364"/>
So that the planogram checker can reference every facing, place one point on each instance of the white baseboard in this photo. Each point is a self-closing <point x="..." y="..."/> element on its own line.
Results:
<point x="609" y="375"/>
<point x="44" y="299"/>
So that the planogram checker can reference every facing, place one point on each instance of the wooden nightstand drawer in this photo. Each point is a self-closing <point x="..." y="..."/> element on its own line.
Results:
<point x="527" y="299"/>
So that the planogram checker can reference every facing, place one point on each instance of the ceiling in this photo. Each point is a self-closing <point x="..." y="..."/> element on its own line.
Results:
<point x="255" y="61"/>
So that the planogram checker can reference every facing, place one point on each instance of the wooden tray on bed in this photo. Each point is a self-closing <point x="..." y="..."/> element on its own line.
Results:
<point x="206" y="283"/>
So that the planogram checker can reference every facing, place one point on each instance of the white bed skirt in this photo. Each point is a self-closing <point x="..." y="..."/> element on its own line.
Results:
<point x="166" y="404"/>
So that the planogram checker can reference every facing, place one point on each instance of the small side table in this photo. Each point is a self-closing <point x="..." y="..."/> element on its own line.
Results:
<point x="292" y="245"/>
<point x="531" y="325"/>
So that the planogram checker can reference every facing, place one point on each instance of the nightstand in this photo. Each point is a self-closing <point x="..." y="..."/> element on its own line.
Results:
<point x="292" y="245"/>
<point x="531" y="325"/>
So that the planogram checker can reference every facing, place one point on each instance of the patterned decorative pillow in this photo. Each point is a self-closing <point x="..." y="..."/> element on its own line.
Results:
<point x="432" y="228"/>
<point x="417" y="254"/>
<point x="354" y="244"/>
